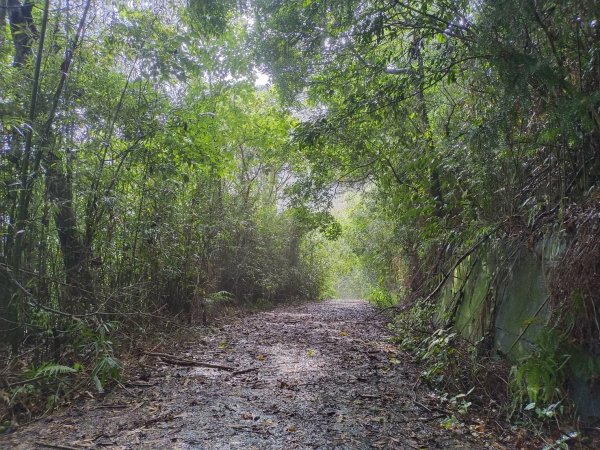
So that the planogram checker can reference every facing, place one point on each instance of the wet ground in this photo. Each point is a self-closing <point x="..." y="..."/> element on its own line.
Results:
<point x="316" y="376"/>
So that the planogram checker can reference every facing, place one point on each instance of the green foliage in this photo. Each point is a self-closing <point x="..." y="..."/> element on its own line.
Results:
<point x="461" y="403"/>
<point x="221" y="296"/>
<point x="347" y="277"/>
<point x="381" y="298"/>
<point x="562" y="443"/>
<point x="546" y="412"/>
<point x="48" y="381"/>
<point x="52" y="370"/>
<point x="211" y="16"/>
<point x="439" y="356"/>
<point x="434" y="347"/>
<point x="150" y="171"/>
<point x="408" y="324"/>
<point x="462" y="121"/>
<point x="106" y="367"/>
<point x="97" y="345"/>
<point x="539" y="377"/>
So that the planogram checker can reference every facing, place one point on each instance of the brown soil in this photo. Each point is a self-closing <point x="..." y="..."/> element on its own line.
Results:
<point x="321" y="375"/>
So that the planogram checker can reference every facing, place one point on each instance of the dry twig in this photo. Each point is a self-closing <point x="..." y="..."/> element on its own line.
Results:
<point x="59" y="446"/>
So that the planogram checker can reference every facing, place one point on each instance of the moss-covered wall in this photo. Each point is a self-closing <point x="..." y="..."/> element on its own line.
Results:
<point x="506" y="287"/>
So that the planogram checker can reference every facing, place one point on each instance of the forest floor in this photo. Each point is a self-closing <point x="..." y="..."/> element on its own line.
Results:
<point x="319" y="375"/>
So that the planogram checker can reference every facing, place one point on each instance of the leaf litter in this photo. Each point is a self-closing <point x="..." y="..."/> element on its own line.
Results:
<point x="314" y="376"/>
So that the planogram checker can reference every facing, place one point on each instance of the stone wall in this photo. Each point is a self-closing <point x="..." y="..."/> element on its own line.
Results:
<point x="505" y="287"/>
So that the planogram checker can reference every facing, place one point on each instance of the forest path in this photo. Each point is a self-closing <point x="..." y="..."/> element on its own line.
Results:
<point x="320" y="375"/>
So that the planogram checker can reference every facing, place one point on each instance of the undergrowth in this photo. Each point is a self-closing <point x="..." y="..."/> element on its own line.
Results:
<point x="62" y="359"/>
<point x="71" y="357"/>
<point x="529" y="392"/>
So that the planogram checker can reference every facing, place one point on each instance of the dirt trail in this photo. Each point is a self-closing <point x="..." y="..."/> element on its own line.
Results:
<point x="321" y="375"/>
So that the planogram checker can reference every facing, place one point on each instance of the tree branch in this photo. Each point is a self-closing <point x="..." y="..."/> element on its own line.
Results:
<point x="460" y="260"/>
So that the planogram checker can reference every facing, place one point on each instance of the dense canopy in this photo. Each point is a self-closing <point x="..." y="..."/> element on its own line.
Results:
<point x="158" y="158"/>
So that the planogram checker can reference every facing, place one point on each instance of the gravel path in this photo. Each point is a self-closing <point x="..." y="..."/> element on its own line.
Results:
<point x="317" y="376"/>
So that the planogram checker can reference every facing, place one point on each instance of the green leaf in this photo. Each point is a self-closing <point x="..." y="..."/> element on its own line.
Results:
<point x="52" y="370"/>
<point x="529" y="406"/>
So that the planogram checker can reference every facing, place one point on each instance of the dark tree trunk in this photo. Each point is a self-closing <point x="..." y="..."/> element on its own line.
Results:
<point x="76" y="257"/>
<point x="22" y="28"/>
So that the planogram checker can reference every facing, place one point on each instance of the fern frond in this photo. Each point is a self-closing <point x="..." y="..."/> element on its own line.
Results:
<point x="53" y="370"/>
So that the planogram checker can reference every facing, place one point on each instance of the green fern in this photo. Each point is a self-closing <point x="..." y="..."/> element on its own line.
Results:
<point x="53" y="370"/>
<point x="539" y="377"/>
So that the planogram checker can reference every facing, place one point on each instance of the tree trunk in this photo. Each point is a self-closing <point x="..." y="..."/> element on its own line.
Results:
<point x="435" y="187"/>
<point x="23" y="33"/>
<point x="22" y="28"/>
<point x="2" y="22"/>
<point x="76" y="257"/>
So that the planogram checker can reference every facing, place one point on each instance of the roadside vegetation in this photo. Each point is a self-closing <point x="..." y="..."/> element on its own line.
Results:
<point x="161" y="159"/>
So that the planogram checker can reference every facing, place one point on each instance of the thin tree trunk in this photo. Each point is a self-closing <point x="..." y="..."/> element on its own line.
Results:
<point x="435" y="187"/>
<point x="23" y="32"/>
<point x="3" y="10"/>
<point x="25" y="178"/>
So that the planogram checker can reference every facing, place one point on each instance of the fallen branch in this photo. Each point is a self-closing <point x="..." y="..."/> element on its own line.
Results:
<point x="172" y="359"/>
<point x="251" y="429"/>
<point x="138" y="384"/>
<point x="19" y="383"/>
<point x="243" y="371"/>
<point x="371" y="396"/>
<point x="422" y="405"/>
<point x="49" y="445"/>
<point x="35" y="304"/>
<point x="116" y="406"/>
<point x="430" y="409"/>
<point x="398" y="308"/>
